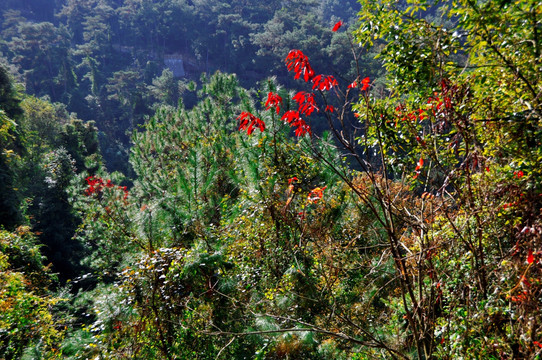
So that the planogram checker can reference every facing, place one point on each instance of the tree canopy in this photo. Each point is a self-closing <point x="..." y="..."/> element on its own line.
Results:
<point x="315" y="188"/>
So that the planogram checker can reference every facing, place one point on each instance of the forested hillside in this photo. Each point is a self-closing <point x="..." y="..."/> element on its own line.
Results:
<point x="270" y="180"/>
<point x="116" y="61"/>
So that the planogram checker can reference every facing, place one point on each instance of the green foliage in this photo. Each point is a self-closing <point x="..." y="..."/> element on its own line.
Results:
<point x="459" y="127"/>
<point x="165" y="89"/>
<point x="58" y="146"/>
<point x="55" y="220"/>
<point x="9" y="213"/>
<point x="183" y="160"/>
<point x="10" y="149"/>
<point x="181" y="244"/>
<point x="234" y="244"/>
<point x="9" y="96"/>
<point x="41" y="50"/>
<point x="26" y="317"/>
<point x="41" y="124"/>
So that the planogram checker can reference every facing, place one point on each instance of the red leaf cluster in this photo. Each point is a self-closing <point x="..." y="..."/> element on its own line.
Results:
<point x="292" y="117"/>
<point x="273" y="100"/>
<point x="418" y="168"/>
<point x="306" y="102"/>
<point x="97" y="184"/>
<point x="530" y="257"/>
<point x="521" y="298"/>
<point x="439" y="106"/>
<point x="337" y="26"/>
<point x="250" y="122"/>
<point x="402" y="114"/>
<point x="324" y="82"/>
<point x="316" y="195"/>
<point x="299" y="63"/>
<point x="420" y="164"/>
<point x="364" y="84"/>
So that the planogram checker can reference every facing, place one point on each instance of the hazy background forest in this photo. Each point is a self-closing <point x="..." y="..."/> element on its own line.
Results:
<point x="115" y="62"/>
<point x="309" y="179"/>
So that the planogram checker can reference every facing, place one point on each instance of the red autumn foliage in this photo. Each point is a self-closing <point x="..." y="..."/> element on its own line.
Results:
<point x="316" y="195"/>
<point x="273" y="100"/>
<point x="337" y="26"/>
<point x="306" y="102"/>
<point x="365" y="82"/>
<point x="530" y="257"/>
<point x="250" y="122"/>
<point x="418" y="168"/>
<point x="420" y="164"/>
<point x="324" y="82"/>
<point x="299" y="63"/>
<point x="293" y="118"/>
<point x="97" y="184"/>
<point x="290" y="116"/>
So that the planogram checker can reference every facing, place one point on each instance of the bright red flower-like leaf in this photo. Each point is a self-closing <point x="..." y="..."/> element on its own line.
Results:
<point x="420" y="164"/>
<point x="324" y="82"/>
<point x="337" y="26"/>
<point x="97" y="184"/>
<point x="125" y="189"/>
<point x="292" y="117"/>
<point x="291" y="180"/>
<point x="289" y="192"/>
<point x="365" y="83"/>
<point x="316" y="195"/>
<point x="330" y="108"/>
<point x="273" y="100"/>
<point x="299" y="63"/>
<point x="302" y="128"/>
<point x="250" y="122"/>
<point x="530" y="257"/>
<point x="418" y="168"/>
<point x="306" y="102"/>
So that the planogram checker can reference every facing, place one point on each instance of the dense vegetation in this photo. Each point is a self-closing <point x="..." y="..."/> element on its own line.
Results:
<point x="106" y="59"/>
<point x="337" y="210"/>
